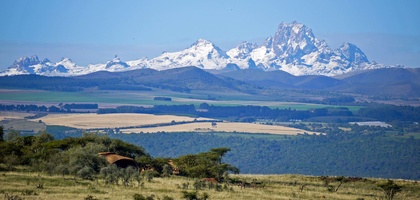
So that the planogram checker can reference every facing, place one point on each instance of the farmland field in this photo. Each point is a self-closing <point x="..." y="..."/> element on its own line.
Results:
<point x="221" y="127"/>
<point x="92" y="121"/>
<point x="116" y="98"/>
<point x="4" y="115"/>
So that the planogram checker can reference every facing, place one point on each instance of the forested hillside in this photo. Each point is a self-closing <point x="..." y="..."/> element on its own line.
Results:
<point x="348" y="155"/>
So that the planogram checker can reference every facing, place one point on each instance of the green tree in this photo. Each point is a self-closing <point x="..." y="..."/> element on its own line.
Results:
<point x="110" y="174"/>
<point x="128" y="175"/>
<point x="84" y="162"/>
<point x="390" y="189"/>
<point x="11" y="161"/>
<point x="205" y="165"/>
<point x="166" y="170"/>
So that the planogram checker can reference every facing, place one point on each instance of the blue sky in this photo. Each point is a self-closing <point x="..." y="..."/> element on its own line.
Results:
<point x="93" y="31"/>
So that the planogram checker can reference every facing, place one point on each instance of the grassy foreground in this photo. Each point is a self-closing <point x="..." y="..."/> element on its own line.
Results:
<point x="25" y="185"/>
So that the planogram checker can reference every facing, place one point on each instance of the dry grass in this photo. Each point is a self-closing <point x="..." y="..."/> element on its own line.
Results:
<point x="276" y="187"/>
<point x="221" y="127"/>
<point x="88" y="121"/>
<point x="13" y="115"/>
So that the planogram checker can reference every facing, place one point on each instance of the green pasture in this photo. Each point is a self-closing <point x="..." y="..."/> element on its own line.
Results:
<point x="146" y="98"/>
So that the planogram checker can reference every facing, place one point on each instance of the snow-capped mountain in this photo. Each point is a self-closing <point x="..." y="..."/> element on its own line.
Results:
<point x="296" y="50"/>
<point x="202" y="54"/>
<point x="113" y="65"/>
<point x="293" y="48"/>
<point x="241" y="55"/>
<point x="32" y="65"/>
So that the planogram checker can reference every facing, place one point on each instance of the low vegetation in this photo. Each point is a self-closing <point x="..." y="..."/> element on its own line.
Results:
<point x="41" y="167"/>
<point x="29" y="185"/>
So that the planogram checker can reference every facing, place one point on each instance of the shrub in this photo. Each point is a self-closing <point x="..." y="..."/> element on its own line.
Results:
<point x="141" y="197"/>
<point x="138" y="197"/>
<point x="189" y="195"/>
<point x="90" y="197"/>
<point x="390" y="189"/>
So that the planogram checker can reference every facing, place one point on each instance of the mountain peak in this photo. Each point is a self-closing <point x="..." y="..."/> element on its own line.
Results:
<point x="66" y="60"/>
<point x="27" y="60"/>
<point x="247" y="45"/>
<point x="294" y="40"/>
<point x="116" y="59"/>
<point x="116" y="64"/>
<point x="353" y="53"/>
<point x="202" y="42"/>
<point x="295" y="26"/>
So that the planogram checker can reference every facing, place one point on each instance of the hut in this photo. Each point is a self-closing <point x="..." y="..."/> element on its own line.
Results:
<point x="118" y="160"/>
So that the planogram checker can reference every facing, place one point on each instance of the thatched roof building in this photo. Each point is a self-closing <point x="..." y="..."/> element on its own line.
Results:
<point x="120" y="161"/>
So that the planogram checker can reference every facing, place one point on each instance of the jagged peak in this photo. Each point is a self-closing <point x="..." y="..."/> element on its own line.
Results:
<point x="32" y="58"/>
<point x="242" y="51"/>
<point x="348" y="45"/>
<point x="202" y="42"/>
<point x="246" y="45"/>
<point x="294" y="39"/>
<point x="268" y="42"/>
<point x="65" y="59"/>
<point x="116" y="59"/>
<point x="352" y="52"/>
<point x="207" y="46"/>
<point x="294" y="27"/>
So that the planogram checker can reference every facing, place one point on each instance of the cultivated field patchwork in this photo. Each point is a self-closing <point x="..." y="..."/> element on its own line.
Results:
<point x="98" y="121"/>
<point x="91" y="121"/>
<point x="220" y="127"/>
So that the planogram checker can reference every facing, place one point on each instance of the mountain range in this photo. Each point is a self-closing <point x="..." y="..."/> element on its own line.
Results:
<point x="293" y="49"/>
<point x="384" y="82"/>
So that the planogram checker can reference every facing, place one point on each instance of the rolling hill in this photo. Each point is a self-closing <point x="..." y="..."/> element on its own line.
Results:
<point x="385" y="82"/>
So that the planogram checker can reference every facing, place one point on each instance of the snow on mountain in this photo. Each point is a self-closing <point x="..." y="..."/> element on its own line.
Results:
<point x="32" y="65"/>
<point x="293" y="48"/>
<point x="114" y="65"/>
<point x="241" y="55"/>
<point x="202" y="54"/>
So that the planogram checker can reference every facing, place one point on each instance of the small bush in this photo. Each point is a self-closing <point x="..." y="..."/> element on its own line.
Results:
<point x="40" y="186"/>
<point x="90" y="197"/>
<point x="189" y="195"/>
<point x="141" y="197"/>
<point x="195" y="196"/>
<point x="167" y="198"/>
<point x="138" y="197"/>
<point x="12" y="197"/>
<point x="28" y="192"/>
<point x="205" y="196"/>
<point x="390" y="189"/>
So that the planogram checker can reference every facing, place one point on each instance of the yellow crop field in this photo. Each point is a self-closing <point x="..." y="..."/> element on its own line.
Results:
<point x="221" y="127"/>
<point x="89" y="121"/>
<point x="4" y="115"/>
<point x="97" y="121"/>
